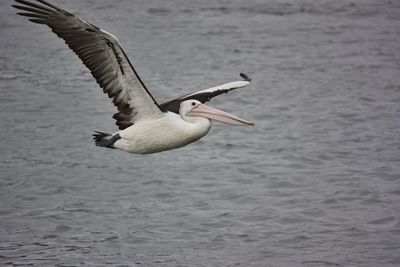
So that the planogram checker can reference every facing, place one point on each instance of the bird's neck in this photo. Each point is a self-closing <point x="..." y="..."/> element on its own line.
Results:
<point x="198" y="125"/>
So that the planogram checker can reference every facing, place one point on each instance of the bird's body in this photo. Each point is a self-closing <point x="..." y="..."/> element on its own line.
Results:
<point x="144" y="125"/>
<point x="167" y="132"/>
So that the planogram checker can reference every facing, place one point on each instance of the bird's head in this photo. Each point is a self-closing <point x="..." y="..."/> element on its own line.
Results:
<point x="191" y="109"/>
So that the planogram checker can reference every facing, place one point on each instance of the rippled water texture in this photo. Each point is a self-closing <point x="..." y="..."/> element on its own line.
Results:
<point x="315" y="183"/>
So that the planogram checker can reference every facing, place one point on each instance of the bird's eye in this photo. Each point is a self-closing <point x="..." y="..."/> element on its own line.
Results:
<point x="193" y="104"/>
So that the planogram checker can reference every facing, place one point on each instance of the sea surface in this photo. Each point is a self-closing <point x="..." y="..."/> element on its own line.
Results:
<point x="315" y="183"/>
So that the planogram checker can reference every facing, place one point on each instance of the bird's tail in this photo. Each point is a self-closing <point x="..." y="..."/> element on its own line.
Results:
<point x="104" y="139"/>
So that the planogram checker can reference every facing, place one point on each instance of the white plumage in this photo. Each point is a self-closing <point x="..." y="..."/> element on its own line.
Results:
<point x="168" y="132"/>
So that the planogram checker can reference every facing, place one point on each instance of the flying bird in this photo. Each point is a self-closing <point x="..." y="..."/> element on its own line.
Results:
<point x="144" y="125"/>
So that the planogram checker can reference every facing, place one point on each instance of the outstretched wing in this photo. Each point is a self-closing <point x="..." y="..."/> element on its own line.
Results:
<point x="205" y="95"/>
<point x="102" y="54"/>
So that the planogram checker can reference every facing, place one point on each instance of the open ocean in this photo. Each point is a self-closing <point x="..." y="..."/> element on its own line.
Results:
<point x="315" y="183"/>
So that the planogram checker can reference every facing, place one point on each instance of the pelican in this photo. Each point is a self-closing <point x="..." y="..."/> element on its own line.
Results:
<point x="144" y="125"/>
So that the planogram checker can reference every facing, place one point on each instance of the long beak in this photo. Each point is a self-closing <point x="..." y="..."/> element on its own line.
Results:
<point x="218" y="115"/>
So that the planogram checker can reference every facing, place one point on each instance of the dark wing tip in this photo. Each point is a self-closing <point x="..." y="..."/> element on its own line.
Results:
<point x="40" y="6"/>
<point x="245" y="77"/>
<point x="38" y="21"/>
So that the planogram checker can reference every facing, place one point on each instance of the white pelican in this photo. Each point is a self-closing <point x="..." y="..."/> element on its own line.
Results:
<point x="144" y="125"/>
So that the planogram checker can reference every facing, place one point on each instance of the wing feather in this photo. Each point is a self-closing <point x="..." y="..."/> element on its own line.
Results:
<point x="205" y="95"/>
<point x="102" y="54"/>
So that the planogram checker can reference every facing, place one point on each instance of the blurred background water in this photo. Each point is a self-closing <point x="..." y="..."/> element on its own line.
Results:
<point x="315" y="183"/>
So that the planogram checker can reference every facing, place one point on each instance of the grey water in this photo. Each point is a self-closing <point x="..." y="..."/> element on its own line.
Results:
<point x="315" y="183"/>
